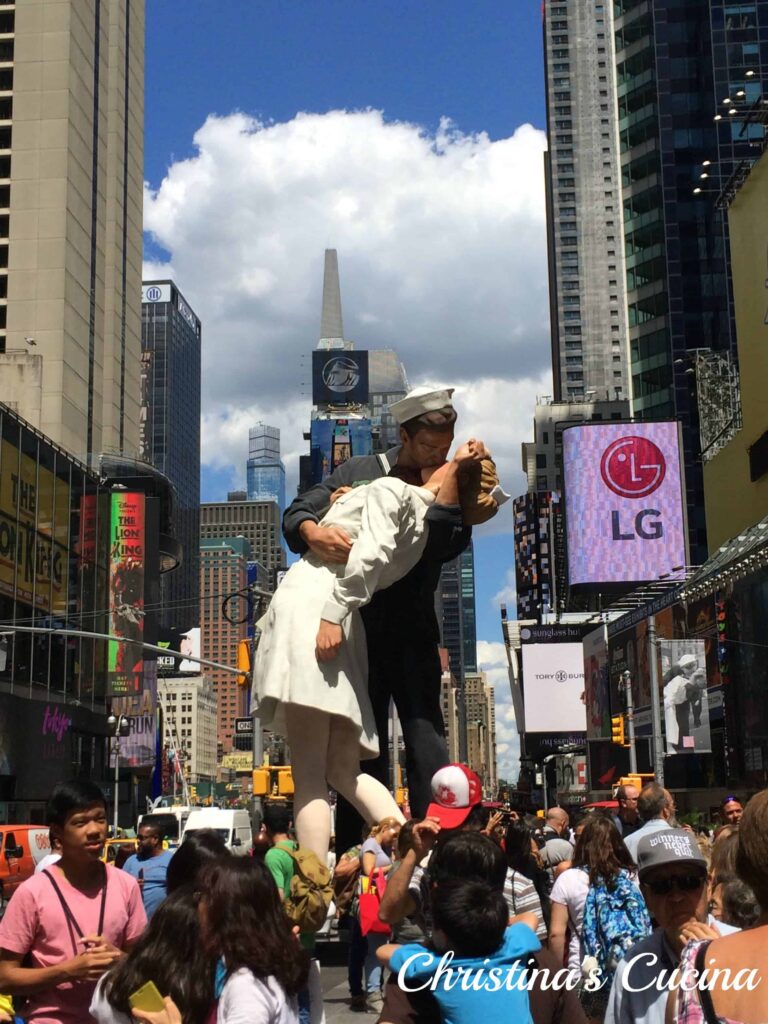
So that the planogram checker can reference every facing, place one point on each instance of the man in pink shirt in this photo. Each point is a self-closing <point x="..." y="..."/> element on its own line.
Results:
<point x="73" y="920"/>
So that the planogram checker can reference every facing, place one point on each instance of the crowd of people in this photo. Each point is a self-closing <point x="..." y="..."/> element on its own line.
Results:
<point x="617" y="917"/>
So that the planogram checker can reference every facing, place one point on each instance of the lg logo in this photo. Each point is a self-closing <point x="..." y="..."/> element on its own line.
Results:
<point x="634" y="467"/>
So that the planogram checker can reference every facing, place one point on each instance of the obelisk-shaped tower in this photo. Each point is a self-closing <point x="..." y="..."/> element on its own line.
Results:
<point x="331" y="325"/>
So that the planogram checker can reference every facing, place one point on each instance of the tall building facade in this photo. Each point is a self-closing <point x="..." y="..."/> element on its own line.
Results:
<point x="223" y="571"/>
<point x="265" y="472"/>
<point x="588" y="315"/>
<point x="257" y="521"/>
<point x="189" y="707"/>
<point x="481" y="730"/>
<point x="450" y="705"/>
<point x="169" y="435"/>
<point x="387" y="384"/>
<point x="676" y="64"/>
<point x="71" y="181"/>
<point x="350" y="421"/>
<point x="456" y="607"/>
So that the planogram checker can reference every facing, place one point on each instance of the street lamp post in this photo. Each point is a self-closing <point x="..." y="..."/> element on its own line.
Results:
<point x="121" y="727"/>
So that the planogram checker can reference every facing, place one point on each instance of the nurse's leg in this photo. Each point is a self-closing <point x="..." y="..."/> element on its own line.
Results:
<point x="308" y="733"/>
<point x="367" y="795"/>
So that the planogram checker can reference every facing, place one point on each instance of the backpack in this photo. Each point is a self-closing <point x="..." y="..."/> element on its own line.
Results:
<point x="614" y="920"/>
<point x="311" y="890"/>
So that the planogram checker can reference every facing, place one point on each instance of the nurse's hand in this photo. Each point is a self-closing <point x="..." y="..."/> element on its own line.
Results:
<point x="328" y="642"/>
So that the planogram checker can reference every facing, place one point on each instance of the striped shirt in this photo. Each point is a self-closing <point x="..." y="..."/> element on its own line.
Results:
<point x="519" y="892"/>
<point x="521" y="897"/>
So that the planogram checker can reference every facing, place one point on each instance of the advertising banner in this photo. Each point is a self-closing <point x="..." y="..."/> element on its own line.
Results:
<point x="34" y="532"/>
<point x="553" y="680"/>
<point x="126" y="594"/>
<point x="624" y="502"/>
<point x="334" y="441"/>
<point x="686" y="701"/>
<point x="242" y="762"/>
<point x="571" y="774"/>
<point x="138" y="748"/>
<point x="187" y="644"/>
<point x="597" y="685"/>
<point x="339" y="377"/>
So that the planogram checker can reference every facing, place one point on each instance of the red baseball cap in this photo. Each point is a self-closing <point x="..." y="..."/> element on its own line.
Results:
<point x="455" y="791"/>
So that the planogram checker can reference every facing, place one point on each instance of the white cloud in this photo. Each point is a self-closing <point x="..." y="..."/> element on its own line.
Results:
<point x="508" y="593"/>
<point x="492" y="659"/>
<point x="441" y="245"/>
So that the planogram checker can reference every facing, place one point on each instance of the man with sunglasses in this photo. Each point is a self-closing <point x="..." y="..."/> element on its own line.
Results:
<point x="673" y="880"/>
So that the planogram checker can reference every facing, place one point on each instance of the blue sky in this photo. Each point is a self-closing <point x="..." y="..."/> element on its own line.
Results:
<point x="477" y="63"/>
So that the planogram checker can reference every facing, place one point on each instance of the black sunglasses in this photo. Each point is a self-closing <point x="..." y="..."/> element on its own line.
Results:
<point x="684" y="883"/>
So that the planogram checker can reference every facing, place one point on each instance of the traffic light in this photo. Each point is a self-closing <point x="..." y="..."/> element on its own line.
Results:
<point x="261" y="782"/>
<point x="193" y="794"/>
<point x="244" y="661"/>
<point x="285" y="782"/>
<point x="617" y="730"/>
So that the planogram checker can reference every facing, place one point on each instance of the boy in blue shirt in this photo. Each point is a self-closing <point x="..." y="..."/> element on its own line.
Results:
<point x="477" y="970"/>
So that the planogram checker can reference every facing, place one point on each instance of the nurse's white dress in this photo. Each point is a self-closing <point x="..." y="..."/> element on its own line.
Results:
<point x="386" y="522"/>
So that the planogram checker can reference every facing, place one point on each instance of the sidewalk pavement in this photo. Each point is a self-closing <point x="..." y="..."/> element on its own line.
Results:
<point x="336" y="1003"/>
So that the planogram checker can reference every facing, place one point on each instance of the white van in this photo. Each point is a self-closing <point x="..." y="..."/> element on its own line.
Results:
<point x="234" y="826"/>
<point x="170" y="820"/>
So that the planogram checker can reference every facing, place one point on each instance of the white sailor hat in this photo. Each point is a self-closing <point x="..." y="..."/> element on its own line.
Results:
<point x="420" y="401"/>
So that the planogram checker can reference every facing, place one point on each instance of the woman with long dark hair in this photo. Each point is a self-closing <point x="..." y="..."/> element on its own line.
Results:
<point x="201" y="847"/>
<point x="600" y="856"/>
<point x="170" y="954"/>
<point x="243" y="927"/>
<point x="527" y="877"/>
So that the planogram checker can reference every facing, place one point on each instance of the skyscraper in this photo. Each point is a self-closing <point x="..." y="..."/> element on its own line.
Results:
<point x="257" y="521"/>
<point x="676" y="63"/>
<point x="223" y="571"/>
<point x="481" y="730"/>
<point x="265" y="471"/>
<point x="387" y="383"/>
<point x="590" y="352"/>
<point x="71" y="138"/>
<point x="169" y="437"/>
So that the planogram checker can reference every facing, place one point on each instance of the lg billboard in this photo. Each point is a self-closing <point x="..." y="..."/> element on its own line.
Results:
<point x="624" y="502"/>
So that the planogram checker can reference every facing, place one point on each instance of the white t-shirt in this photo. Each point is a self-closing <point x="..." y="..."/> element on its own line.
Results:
<point x="570" y="890"/>
<point x="250" y="1000"/>
<point x="102" y="1012"/>
<point x="244" y="1000"/>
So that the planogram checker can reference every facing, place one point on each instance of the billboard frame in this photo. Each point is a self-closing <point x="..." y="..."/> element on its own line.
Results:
<point x="615" y="588"/>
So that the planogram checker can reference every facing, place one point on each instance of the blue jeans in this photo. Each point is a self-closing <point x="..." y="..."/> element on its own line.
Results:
<point x="373" y="969"/>
<point x="305" y="1013"/>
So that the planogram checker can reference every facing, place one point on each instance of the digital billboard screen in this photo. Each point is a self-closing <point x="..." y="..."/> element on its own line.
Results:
<point x="339" y="377"/>
<point x="553" y="687"/>
<point x="126" y="594"/>
<point x="624" y="506"/>
<point x="332" y="442"/>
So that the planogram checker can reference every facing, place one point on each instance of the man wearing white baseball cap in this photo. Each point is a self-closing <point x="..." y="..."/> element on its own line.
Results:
<point x="400" y="624"/>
